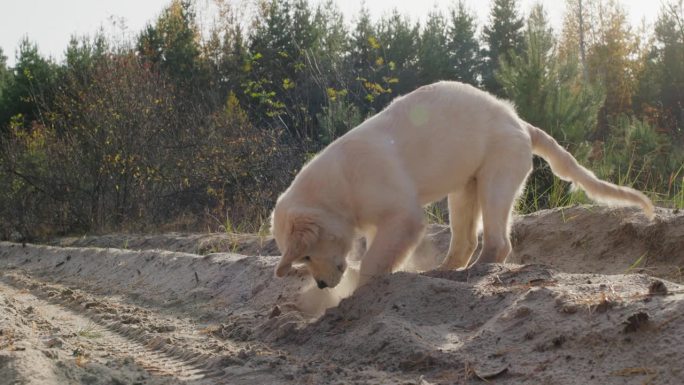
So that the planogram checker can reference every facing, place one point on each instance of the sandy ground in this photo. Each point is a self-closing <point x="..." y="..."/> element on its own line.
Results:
<point x="591" y="296"/>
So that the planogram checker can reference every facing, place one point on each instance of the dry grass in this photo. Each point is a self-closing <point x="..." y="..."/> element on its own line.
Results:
<point x="638" y="371"/>
<point x="90" y="331"/>
<point x="211" y="329"/>
<point x="594" y="302"/>
<point x="81" y="360"/>
<point x="7" y="339"/>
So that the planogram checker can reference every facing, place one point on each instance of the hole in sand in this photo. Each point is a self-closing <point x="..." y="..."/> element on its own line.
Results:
<point x="313" y="301"/>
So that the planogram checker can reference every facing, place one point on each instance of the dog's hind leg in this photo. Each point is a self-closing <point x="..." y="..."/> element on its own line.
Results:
<point x="464" y="216"/>
<point x="498" y="187"/>
<point x="396" y="236"/>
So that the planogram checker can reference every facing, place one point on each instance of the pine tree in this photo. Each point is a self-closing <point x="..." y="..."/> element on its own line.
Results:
<point x="304" y="32"/>
<point x="82" y="55"/>
<point x="399" y="39"/>
<point x="614" y="58"/>
<point x="613" y="62"/>
<point x="464" y="48"/>
<point x="30" y="89"/>
<point x="332" y="74"/>
<point x="503" y="37"/>
<point x="575" y="33"/>
<point x="232" y="60"/>
<point x="367" y="63"/>
<point x="661" y="86"/>
<point x="364" y="43"/>
<point x="270" y="62"/>
<point x="150" y="46"/>
<point x="225" y="53"/>
<point x="179" y="34"/>
<point x="433" y="54"/>
<point x="333" y="43"/>
<point x="5" y="78"/>
<point x="303" y="94"/>
<point x="284" y="77"/>
<point x="4" y="71"/>
<point x="547" y="88"/>
<point x="526" y="77"/>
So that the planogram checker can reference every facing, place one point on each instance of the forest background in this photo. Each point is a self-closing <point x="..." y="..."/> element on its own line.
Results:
<point x="199" y="127"/>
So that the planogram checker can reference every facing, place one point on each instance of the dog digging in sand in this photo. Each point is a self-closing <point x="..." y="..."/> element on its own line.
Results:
<point x="445" y="139"/>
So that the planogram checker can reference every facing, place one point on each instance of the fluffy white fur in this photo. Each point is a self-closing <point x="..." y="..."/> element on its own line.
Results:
<point x="445" y="139"/>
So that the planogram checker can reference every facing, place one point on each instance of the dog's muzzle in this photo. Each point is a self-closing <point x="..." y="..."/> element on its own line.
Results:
<point x="321" y="284"/>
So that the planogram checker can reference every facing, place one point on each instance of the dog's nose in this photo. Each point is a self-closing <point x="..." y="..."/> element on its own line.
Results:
<point x="322" y="284"/>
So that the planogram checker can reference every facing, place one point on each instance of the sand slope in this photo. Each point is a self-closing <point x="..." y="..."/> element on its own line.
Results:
<point x="154" y="310"/>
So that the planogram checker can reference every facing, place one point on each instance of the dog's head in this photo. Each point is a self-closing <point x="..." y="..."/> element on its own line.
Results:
<point x="314" y="238"/>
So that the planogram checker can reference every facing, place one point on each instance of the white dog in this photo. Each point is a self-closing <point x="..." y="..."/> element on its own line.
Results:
<point x="445" y="139"/>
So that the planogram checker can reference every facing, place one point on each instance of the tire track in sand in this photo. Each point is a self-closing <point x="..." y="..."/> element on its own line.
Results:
<point x="122" y="338"/>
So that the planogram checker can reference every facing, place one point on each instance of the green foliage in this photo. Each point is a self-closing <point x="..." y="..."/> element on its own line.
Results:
<point x="181" y="130"/>
<point x="224" y="53"/>
<point x="638" y="155"/>
<point x="547" y="90"/>
<point x="150" y="45"/>
<point x="659" y="95"/>
<point x="369" y="68"/>
<point x="338" y="116"/>
<point x="399" y="39"/>
<point x="433" y="55"/>
<point x="613" y="56"/>
<point x="30" y="89"/>
<point x="612" y="64"/>
<point x="6" y="84"/>
<point x="179" y="39"/>
<point x="5" y="78"/>
<point x="284" y="81"/>
<point x="464" y="48"/>
<point x="503" y="37"/>
<point x="81" y="56"/>
<point x="122" y="150"/>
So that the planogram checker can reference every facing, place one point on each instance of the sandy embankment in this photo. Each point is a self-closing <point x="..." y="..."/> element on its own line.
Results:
<point x="597" y="302"/>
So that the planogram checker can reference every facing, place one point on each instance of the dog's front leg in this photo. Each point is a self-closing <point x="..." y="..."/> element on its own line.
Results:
<point x="395" y="238"/>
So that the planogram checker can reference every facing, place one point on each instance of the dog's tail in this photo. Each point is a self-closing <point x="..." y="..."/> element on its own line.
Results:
<point x="566" y="167"/>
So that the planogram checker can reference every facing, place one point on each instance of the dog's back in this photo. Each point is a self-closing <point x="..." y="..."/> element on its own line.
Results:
<point x="442" y="133"/>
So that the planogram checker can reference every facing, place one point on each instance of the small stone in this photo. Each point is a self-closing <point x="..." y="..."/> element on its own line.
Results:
<point x="569" y="308"/>
<point x="54" y="343"/>
<point x="164" y="328"/>
<point x="657" y="287"/>
<point x="523" y="311"/>
<point x="275" y="312"/>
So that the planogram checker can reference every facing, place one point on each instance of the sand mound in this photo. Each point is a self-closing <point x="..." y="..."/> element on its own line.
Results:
<point x="602" y="240"/>
<point x="520" y="324"/>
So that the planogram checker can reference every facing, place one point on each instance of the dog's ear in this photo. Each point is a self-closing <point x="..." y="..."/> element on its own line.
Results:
<point x="303" y="232"/>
